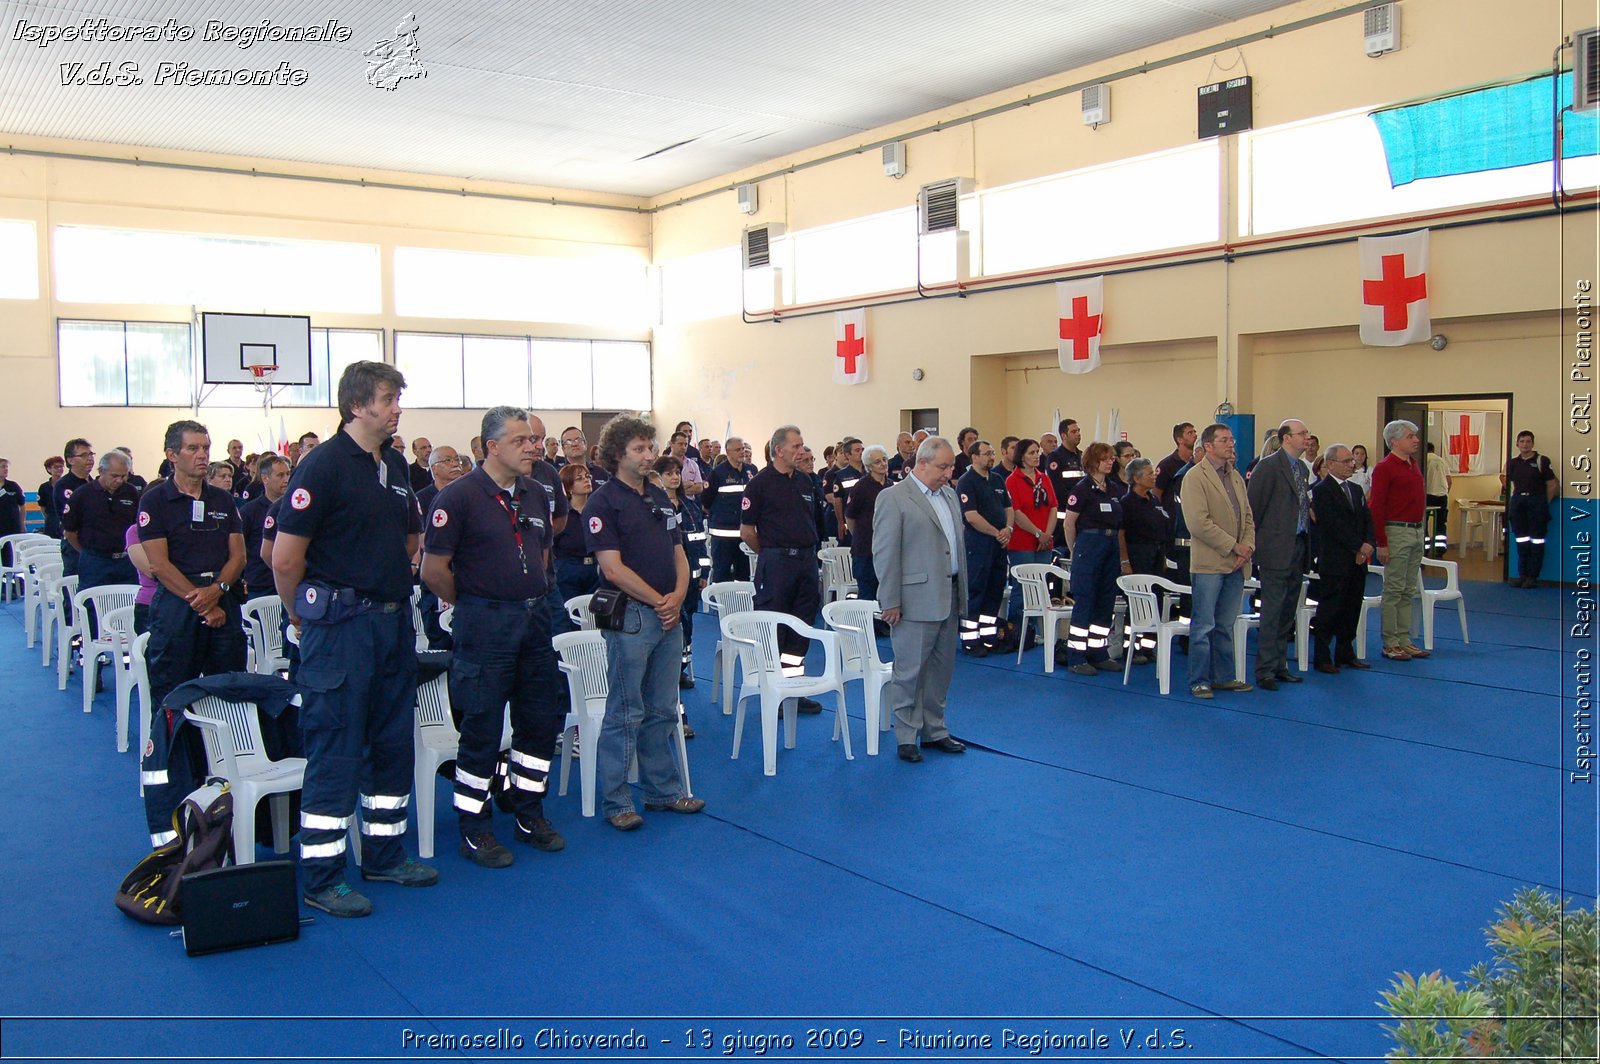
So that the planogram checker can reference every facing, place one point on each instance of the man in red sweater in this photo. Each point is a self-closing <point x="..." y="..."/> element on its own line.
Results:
<point x="1397" y="508"/>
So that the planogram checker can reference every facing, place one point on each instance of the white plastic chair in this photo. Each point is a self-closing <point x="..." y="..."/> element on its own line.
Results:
<point x="59" y="630"/>
<point x="579" y="613"/>
<point x="583" y="659"/>
<point x="119" y="622"/>
<point x="232" y="733"/>
<point x="98" y="602"/>
<point x="1431" y="597"/>
<point x="755" y="635"/>
<point x="141" y="684"/>
<point x="262" y="619"/>
<point x="36" y="585"/>
<point x="838" y="578"/>
<point x="436" y="741"/>
<point x="1032" y="578"/>
<point x="859" y="660"/>
<point x="11" y="575"/>
<point x="724" y="600"/>
<point x="1147" y="613"/>
<point x="1304" y="609"/>
<point x="1368" y="603"/>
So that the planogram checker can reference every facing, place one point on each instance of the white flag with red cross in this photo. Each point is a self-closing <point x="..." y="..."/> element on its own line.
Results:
<point x="1080" y="310"/>
<point x="850" y="346"/>
<point x="1394" y="290"/>
<point x="1466" y="444"/>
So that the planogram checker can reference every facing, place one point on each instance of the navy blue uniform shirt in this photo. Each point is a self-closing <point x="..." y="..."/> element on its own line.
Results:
<point x="426" y="496"/>
<point x="572" y="543"/>
<point x="253" y="516"/>
<point x="495" y="537"/>
<point x="859" y="507"/>
<point x="644" y="528"/>
<point x="1145" y="520"/>
<point x="785" y="510"/>
<point x="10" y="508"/>
<point x="1063" y="467"/>
<point x="68" y="483"/>
<point x="196" y="530"/>
<point x="1095" y="508"/>
<point x="1529" y="477"/>
<point x="986" y="494"/>
<point x="356" y="515"/>
<point x="726" y="487"/>
<point x="100" y="519"/>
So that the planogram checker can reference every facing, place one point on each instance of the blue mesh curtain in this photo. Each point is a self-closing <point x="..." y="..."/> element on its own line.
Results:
<point x="1488" y="129"/>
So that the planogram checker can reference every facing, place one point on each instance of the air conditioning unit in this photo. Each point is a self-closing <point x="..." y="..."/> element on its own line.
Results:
<point x="1096" y="104"/>
<point x="1381" y="27"/>
<point x="749" y="198"/>
<point x="757" y="244"/>
<point x="1586" y="70"/>
<point x="894" y="159"/>
<point x="762" y="277"/>
<point x="939" y="205"/>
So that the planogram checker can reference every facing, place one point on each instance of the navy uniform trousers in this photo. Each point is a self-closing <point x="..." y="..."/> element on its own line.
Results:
<point x="182" y="647"/>
<point x="986" y="586"/>
<point x="359" y="682"/>
<point x="787" y="581"/>
<point x="503" y="654"/>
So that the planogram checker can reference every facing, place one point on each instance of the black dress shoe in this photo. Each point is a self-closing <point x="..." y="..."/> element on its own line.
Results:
<point x="809" y="705"/>
<point x="976" y="650"/>
<point x="1288" y="677"/>
<point x="1328" y="667"/>
<point x="909" y="752"/>
<point x="1354" y="663"/>
<point x="1267" y="683"/>
<point x="949" y="745"/>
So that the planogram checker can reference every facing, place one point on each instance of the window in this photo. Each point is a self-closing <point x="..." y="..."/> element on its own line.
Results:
<point x="476" y="372"/>
<point x="124" y="363"/>
<point x="217" y="272"/>
<point x="873" y="254"/>
<point x="19" y="260"/>
<point x="1151" y="203"/>
<point x="144" y="363"/>
<point x="1334" y="169"/>
<point x="610" y="289"/>
<point x="701" y="286"/>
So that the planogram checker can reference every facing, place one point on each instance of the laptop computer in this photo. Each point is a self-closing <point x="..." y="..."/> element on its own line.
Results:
<point x="239" y="906"/>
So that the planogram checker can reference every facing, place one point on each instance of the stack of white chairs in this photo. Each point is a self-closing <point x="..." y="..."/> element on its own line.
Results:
<point x="838" y="578"/>
<point x="263" y="627"/>
<point x="94" y="605"/>
<point x="234" y="751"/>
<point x="60" y="626"/>
<point x="37" y="587"/>
<point x="579" y="613"/>
<point x="125" y="670"/>
<point x="724" y="600"/>
<point x="11" y="574"/>
<point x="755" y="635"/>
<point x="859" y="660"/>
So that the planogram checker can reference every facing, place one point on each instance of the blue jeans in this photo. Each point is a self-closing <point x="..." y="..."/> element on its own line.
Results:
<point x="642" y="662"/>
<point x="1217" y="598"/>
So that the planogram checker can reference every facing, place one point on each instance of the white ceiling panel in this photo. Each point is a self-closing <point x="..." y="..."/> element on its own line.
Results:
<point x="579" y="94"/>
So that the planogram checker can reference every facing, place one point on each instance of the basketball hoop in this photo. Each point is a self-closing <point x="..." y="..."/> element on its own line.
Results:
<point x="263" y="375"/>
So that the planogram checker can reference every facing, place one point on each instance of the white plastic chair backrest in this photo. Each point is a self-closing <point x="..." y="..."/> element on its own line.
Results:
<point x="836" y="562"/>
<point x="447" y="618"/>
<point x="852" y="619"/>
<point x="578" y="610"/>
<point x="748" y="553"/>
<point x="1452" y="580"/>
<point x="1030" y="577"/>
<point x="98" y="601"/>
<point x="63" y="590"/>
<point x="265" y="614"/>
<point x="730" y="596"/>
<point x="37" y="553"/>
<point x="141" y="675"/>
<point x="755" y="633"/>
<point x="585" y="655"/>
<point x="1144" y="611"/>
<point x="433" y="705"/>
<point x="237" y="729"/>
<point x="116" y="627"/>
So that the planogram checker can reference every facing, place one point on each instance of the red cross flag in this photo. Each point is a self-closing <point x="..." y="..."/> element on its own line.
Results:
<point x="1394" y="290"/>
<point x="1080" y="308"/>
<point x="850" y="346"/>
<point x="1466" y="442"/>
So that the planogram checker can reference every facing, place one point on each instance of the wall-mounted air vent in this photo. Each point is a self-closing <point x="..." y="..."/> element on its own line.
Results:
<point x="757" y="245"/>
<point x="1381" y="27"/>
<point x="1586" y="70"/>
<point x="939" y="205"/>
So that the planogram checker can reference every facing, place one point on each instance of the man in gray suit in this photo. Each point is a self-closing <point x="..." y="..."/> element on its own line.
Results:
<point x="922" y="589"/>
<point x="1280" y="500"/>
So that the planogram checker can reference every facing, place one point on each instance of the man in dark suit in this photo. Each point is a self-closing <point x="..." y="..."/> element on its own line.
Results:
<point x="921" y="562"/>
<point x="1342" y="546"/>
<point x="1280" y="500"/>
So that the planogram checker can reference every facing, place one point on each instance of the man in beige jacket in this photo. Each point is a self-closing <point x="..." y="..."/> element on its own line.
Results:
<point x="1223" y="537"/>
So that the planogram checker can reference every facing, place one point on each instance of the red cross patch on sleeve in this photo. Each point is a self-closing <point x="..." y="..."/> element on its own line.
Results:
<point x="595" y="525"/>
<point x="440" y="518"/>
<point x="144" y="517"/>
<point x="300" y="499"/>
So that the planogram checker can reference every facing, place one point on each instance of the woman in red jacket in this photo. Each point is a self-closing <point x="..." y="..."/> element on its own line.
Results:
<point x="1033" y="501"/>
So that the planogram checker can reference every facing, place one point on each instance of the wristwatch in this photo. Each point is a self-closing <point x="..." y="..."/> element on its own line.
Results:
<point x="225" y="586"/>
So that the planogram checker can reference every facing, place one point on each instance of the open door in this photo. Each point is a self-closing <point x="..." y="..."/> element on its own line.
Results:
<point x="1416" y="413"/>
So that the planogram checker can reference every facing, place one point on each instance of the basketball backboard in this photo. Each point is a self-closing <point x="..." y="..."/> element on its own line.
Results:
<point x="233" y="343"/>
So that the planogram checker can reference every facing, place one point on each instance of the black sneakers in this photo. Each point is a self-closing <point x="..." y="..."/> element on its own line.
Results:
<point x="484" y="850"/>
<point x="540" y="835"/>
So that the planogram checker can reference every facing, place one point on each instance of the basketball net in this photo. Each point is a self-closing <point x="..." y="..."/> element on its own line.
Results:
<point x="263" y="384"/>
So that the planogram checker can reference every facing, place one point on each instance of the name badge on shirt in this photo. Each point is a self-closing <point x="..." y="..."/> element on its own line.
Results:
<point x="383" y="472"/>
<point x="197" y="512"/>
<point x="672" y="521"/>
<point x="1105" y="507"/>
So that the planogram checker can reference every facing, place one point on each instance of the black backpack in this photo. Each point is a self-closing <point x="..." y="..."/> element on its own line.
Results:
<point x="204" y="823"/>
